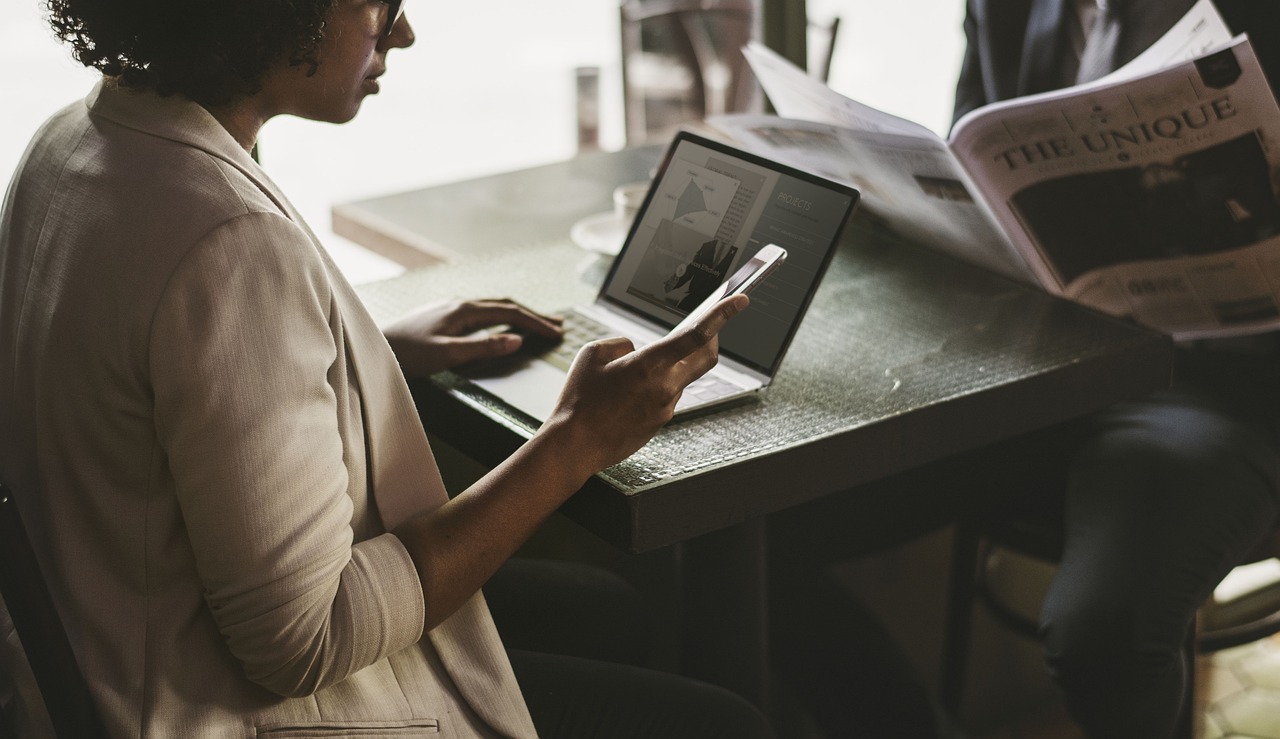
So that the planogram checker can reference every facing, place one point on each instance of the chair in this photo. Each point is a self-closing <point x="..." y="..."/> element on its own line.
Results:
<point x="1037" y="532"/>
<point x="682" y="62"/>
<point x="821" y="47"/>
<point x="62" y="685"/>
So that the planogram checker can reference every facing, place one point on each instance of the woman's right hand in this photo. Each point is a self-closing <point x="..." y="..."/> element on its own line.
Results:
<point x="617" y="397"/>
<point x="615" y="400"/>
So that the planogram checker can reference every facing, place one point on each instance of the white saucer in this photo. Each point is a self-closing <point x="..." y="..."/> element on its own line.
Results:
<point x="602" y="233"/>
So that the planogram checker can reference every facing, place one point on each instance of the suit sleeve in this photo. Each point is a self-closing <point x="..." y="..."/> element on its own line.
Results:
<point x="970" y="90"/>
<point x="242" y="346"/>
<point x="1261" y="20"/>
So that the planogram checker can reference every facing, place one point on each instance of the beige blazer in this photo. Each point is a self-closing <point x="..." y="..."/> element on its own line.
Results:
<point x="208" y="438"/>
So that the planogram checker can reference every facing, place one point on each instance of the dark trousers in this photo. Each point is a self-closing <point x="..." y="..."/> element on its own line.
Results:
<point x="577" y="637"/>
<point x="1164" y="497"/>
<point x="845" y="667"/>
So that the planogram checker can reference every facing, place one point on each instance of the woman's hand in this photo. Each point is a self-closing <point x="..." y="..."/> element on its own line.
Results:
<point x="617" y="397"/>
<point x="442" y="336"/>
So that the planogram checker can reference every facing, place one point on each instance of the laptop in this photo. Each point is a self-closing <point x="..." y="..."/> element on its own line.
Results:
<point x="710" y="208"/>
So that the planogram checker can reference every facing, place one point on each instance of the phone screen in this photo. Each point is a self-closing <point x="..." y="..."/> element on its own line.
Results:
<point x="744" y="280"/>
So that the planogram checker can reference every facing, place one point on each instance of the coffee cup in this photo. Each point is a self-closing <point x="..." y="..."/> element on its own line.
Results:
<point x="627" y="199"/>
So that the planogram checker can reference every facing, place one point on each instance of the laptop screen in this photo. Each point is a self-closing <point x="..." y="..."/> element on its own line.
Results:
<point x="711" y="208"/>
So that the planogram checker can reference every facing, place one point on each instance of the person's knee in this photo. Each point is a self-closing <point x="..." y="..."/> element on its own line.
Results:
<point x="1177" y="445"/>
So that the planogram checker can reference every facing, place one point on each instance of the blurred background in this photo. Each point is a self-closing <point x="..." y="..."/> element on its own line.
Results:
<point x="490" y="86"/>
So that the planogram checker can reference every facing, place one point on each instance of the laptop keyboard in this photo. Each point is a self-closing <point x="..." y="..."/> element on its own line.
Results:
<point x="580" y="329"/>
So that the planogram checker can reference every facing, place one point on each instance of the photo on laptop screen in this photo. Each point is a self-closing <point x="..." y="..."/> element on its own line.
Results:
<point x="710" y="209"/>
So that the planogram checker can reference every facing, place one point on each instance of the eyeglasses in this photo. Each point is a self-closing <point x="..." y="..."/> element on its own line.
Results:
<point x="395" y="9"/>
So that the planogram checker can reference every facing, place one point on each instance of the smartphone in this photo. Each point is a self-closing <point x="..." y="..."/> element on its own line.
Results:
<point x="758" y="267"/>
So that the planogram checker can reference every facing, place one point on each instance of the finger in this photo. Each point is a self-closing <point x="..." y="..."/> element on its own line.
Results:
<point x="509" y="303"/>
<point x="695" y="364"/>
<point x="523" y="319"/>
<point x="690" y="340"/>
<point x="482" y="314"/>
<point x="472" y="348"/>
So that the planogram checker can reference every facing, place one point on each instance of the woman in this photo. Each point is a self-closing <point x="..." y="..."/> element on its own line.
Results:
<point x="214" y="446"/>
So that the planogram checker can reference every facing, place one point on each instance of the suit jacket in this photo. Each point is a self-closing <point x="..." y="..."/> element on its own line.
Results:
<point x="208" y="438"/>
<point x="1014" y="46"/>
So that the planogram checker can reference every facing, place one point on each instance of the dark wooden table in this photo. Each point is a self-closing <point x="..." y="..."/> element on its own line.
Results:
<point x="906" y="358"/>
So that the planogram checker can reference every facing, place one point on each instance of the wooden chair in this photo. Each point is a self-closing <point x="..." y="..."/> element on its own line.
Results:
<point x="62" y="685"/>
<point x="682" y="62"/>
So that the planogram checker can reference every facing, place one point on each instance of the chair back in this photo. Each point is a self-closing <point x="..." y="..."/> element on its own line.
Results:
<point x="682" y="61"/>
<point x="62" y="685"/>
<point x="821" y="47"/>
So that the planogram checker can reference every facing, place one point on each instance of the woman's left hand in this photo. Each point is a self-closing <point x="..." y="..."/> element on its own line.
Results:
<point x="448" y="334"/>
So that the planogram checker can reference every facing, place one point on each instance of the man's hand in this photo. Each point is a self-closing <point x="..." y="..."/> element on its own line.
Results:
<point x="443" y="336"/>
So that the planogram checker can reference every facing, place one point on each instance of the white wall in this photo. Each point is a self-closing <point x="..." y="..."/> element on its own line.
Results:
<point x="901" y="56"/>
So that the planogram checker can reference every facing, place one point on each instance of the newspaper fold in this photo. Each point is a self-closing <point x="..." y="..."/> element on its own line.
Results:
<point x="1152" y="193"/>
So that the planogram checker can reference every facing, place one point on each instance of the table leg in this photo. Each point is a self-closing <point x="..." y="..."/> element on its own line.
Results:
<point x="959" y="618"/>
<point x="725" y="620"/>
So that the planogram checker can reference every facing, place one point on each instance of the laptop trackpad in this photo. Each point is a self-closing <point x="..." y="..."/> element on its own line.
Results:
<point x="532" y="385"/>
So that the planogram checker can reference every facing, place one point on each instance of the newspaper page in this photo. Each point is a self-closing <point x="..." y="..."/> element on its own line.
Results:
<point x="906" y="173"/>
<point x="1153" y="197"/>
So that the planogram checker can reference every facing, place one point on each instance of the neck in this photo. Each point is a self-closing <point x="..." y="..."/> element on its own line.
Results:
<point x="242" y="119"/>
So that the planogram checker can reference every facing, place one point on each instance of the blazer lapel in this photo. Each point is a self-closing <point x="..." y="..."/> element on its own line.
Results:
<point x="402" y="469"/>
<point x="406" y="482"/>
<point x="1042" y="47"/>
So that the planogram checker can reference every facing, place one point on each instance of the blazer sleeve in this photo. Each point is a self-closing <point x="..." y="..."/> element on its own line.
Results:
<point x="243" y="345"/>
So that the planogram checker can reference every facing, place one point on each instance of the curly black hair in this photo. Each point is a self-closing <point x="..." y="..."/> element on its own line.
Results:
<point x="212" y="51"/>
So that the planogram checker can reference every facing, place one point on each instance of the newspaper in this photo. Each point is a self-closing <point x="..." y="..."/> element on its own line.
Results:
<point x="1153" y="193"/>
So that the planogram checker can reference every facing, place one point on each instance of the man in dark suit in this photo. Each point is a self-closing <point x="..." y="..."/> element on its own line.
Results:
<point x="1021" y="47"/>
<point x="1163" y="496"/>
